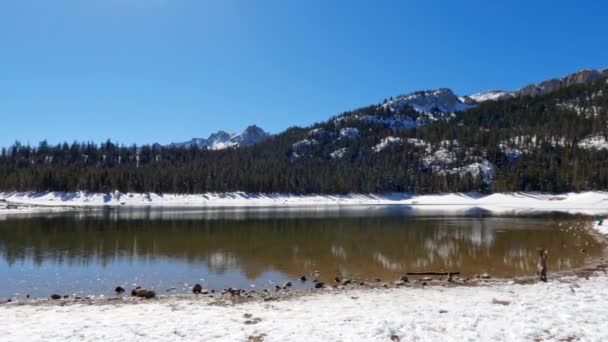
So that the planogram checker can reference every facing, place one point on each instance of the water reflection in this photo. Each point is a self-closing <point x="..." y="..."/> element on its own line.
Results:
<point x="100" y="249"/>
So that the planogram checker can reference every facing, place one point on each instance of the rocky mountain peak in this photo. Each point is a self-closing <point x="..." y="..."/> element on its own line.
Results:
<point x="223" y="139"/>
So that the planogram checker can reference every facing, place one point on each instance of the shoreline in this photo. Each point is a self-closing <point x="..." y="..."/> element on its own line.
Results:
<point x="586" y="203"/>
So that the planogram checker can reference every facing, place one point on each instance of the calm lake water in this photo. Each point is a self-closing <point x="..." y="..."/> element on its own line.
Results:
<point x="90" y="253"/>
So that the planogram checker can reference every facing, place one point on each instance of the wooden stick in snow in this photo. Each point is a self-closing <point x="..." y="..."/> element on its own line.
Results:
<point x="542" y="265"/>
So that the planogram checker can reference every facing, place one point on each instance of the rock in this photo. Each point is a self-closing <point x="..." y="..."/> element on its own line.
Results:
<point x="337" y="279"/>
<point x="303" y="278"/>
<point x="345" y="281"/>
<point x="443" y="311"/>
<point x="399" y="283"/>
<point x="197" y="289"/>
<point x="252" y="321"/>
<point x="140" y="292"/>
<point x="148" y="294"/>
<point x="135" y="290"/>
<point x="484" y="276"/>
<point x="500" y="302"/>
<point x="426" y="279"/>
<point x="277" y="287"/>
<point x="404" y="279"/>
<point x="257" y="338"/>
<point x="319" y="285"/>
<point x="377" y="280"/>
<point x="287" y="284"/>
<point x="395" y="338"/>
<point x="55" y="296"/>
<point x="234" y="292"/>
<point x="316" y="275"/>
<point x="119" y="290"/>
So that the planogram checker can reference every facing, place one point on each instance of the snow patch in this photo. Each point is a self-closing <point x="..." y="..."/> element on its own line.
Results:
<point x="386" y="142"/>
<point x="302" y="144"/>
<point x="349" y="132"/>
<point x="337" y="154"/>
<point x="490" y="95"/>
<point x="594" y="142"/>
<point x="483" y="169"/>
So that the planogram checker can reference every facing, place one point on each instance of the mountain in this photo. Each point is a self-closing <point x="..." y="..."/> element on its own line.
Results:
<point x="550" y="136"/>
<point x="222" y="139"/>
<point x="442" y="100"/>
<point x="544" y="87"/>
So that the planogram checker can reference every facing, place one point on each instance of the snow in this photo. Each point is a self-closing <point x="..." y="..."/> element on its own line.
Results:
<point x="531" y="141"/>
<point x="489" y="95"/>
<point x="386" y="142"/>
<point x="512" y="153"/>
<point x="483" y="169"/>
<point x="223" y="139"/>
<point x="337" y="154"/>
<point x="594" y="142"/>
<point x="500" y="203"/>
<point x="349" y="132"/>
<point x="418" y="142"/>
<point x="302" y="144"/>
<point x="441" y="100"/>
<point x="561" y="309"/>
<point x="602" y="229"/>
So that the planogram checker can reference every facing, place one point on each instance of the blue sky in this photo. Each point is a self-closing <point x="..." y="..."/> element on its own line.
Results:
<point x="142" y="71"/>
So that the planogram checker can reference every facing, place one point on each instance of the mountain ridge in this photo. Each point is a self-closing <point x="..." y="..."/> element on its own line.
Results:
<point x="224" y="139"/>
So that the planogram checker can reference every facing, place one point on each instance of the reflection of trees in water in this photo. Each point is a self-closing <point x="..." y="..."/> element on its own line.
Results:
<point x="376" y="246"/>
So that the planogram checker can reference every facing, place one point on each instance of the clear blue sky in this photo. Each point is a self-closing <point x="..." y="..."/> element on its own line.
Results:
<point x="142" y="71"/>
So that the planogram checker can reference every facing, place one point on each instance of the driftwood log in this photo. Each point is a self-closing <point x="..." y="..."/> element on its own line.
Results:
<point x="542" y="264"/>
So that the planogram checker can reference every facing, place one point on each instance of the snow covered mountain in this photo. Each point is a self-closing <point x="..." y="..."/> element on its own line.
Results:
<point x="441" y="100"/>
<point x="431" y="105"/>
<point x="222" y="139"/>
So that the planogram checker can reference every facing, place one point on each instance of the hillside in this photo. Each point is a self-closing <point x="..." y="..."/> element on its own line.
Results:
<point x="552" y="139"/>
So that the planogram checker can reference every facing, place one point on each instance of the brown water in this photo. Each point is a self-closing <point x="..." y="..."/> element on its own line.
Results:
<point x="91" y="253"/>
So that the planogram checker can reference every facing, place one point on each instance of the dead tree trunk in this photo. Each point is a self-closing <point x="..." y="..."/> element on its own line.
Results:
<point x="542" y="265"/>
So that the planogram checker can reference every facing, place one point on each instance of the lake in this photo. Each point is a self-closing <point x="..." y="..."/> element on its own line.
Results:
<point x="91" y="252"/>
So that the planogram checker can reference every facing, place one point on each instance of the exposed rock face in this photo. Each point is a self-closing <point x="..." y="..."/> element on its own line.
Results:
<point x="555" y="84"/>
<point x="441" y="100"/>
<point x="222" y="139"/>
<point x="252" y="135"/>
<point x="545" y="87"/>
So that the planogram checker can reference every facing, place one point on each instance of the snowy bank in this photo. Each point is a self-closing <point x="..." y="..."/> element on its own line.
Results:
<point x="562" y="309"/>
<point x="503" y="203"/>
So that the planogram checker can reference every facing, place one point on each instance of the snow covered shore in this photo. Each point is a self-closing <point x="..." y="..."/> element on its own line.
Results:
<point x="504" y="203"/>
<point x="562" y="309"/>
